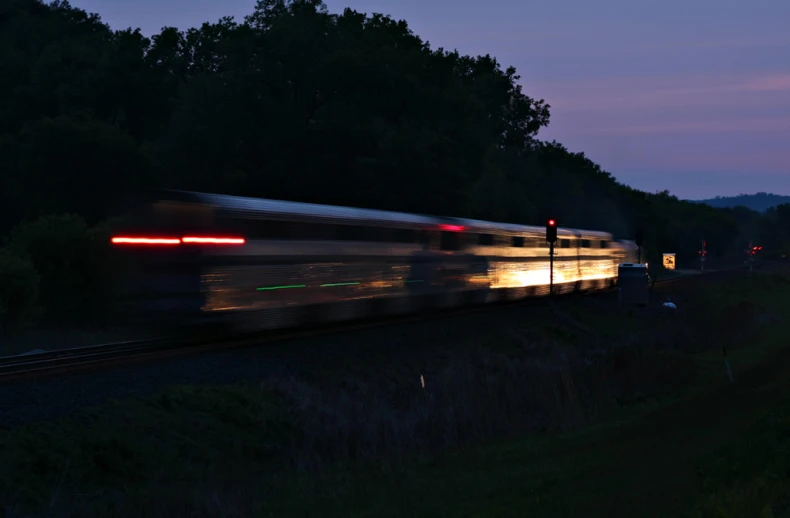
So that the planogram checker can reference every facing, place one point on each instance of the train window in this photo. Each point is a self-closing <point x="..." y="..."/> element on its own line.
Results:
<point x="485" y="239"/>
<point x="348" y="233"/>
<point x="604" y="244"/>
<point x="403" y="235"/>
<point x="565" y="243"/>
<point x="518" y="241"/>
<point x="374" y="234"/>
<point x="451" y="241"/>
<point x="586" y="243"/>
<point x="291" y="230"/>
<point x="312" y="231"/>
<point x="272" y="230"/>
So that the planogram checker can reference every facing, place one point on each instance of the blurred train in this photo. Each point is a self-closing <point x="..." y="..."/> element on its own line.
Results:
<point x="188" y="258"/>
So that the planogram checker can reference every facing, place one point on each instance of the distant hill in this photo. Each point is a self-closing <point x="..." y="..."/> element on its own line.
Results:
<point x="760" y="202"/>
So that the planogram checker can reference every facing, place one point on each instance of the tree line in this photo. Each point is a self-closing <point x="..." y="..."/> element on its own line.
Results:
<point x="292" y="103"/>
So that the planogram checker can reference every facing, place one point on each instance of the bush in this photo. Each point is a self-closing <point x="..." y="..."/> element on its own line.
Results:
<point x="69" y="258"/>
<point x="19" y="287"/>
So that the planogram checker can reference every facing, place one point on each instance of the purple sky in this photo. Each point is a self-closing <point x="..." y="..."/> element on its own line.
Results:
<point x="687" y="95"/>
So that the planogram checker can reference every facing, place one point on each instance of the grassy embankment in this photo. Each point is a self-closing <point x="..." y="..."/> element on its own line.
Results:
<point x="592" y="410"/>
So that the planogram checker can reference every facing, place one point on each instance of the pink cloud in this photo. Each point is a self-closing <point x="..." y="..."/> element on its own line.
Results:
<point x="773" y="163"/>
<point x="776" y="83"/>
<point x="636" y="93"/>
<point x="756" y="124"/>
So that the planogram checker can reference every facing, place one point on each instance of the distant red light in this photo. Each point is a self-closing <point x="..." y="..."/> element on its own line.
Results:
<point x="452" y="228"/>
<point x="214" y="240"/>
<point x="552" y="222"/>
<point x="145" y="241"/>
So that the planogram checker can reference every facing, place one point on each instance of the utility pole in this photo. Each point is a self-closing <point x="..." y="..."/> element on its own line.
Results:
<point x="750" y="256"/>
<point x="702" y="253"/>
<point x="639" y="238"/>
<point x="551" y="238"/>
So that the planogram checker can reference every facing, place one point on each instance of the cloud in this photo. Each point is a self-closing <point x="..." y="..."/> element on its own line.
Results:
<point x="650" y="93"/>
<point x="734" y="125"/>
<point x="771" y="164"/>
<point x="776" y="83"/>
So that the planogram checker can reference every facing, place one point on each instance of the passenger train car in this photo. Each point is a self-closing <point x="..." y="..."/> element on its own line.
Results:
<point x="255" y="264"/>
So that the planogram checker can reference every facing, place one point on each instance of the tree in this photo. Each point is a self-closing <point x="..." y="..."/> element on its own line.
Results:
<point x="297" y="103"/>
<point x="69" y="165"/>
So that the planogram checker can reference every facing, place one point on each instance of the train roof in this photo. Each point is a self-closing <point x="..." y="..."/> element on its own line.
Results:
<point x="259" y="207"/>
<point x="474" y="224"/>
<point x="279" y="209"/>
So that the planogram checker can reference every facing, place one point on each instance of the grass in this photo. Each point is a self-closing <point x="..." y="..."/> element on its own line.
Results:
<point x="749" y="477"/>
<point x="590" y="410"/>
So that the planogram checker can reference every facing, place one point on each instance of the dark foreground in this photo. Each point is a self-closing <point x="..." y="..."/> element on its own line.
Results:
<point x="590" y="410"/>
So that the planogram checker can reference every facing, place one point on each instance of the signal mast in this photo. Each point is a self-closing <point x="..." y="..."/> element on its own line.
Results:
<point x="551" y="238"/>
<point x="702" y="253"/>
<point x="750" y="253"/>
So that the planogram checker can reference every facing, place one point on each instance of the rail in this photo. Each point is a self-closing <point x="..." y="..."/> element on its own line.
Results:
<point x="44" y="364"/>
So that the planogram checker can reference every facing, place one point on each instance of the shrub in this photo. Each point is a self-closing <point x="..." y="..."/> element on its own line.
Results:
<point x="68" y="257"/>
<point x="19" y="286"/>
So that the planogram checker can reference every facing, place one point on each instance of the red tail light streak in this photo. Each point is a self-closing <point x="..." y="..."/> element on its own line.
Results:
<point x="145" y="241"/>
<point x="452" y="228"/>
<point x="171" y="241"/>
<point x="214" y="240"/>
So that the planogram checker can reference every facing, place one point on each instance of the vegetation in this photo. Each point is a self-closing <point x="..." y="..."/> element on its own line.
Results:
<point x="496" y="430"/>
<point x="296" y="103"/>
<point x="759" y="202"/>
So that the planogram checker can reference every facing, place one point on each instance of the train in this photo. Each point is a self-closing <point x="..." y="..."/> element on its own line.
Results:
<point x="250" y="264"/>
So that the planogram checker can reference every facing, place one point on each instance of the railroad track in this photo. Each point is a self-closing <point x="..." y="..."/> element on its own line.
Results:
<point x="68" y="361"/>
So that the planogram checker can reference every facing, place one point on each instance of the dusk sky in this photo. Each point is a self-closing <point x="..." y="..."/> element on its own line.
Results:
<point x="687" y="95"/>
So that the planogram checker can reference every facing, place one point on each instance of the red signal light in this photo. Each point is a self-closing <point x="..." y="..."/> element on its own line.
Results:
<point x="552" y="222"/>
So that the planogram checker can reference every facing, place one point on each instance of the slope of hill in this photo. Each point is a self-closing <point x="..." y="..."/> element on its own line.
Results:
<point x="760" y="202"/>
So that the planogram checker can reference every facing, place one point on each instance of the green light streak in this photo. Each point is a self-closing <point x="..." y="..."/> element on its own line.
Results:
<point x="339" y="284"/>
<point x="269" y="288"/>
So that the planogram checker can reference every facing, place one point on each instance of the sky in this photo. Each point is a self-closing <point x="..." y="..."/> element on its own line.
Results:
<point x="692" y="96"/>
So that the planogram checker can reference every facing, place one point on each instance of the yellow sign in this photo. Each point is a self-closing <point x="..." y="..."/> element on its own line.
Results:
<point x="669" y="261"/>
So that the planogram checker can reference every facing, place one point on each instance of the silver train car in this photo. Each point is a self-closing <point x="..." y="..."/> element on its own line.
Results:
<point x="256" y="264"/>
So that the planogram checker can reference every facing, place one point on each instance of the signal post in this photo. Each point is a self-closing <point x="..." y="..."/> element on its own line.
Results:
<point x="551" y="238"/>
<point x="750" y="253"/>
<point x="639" y="237"/>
